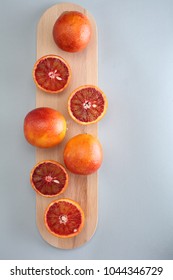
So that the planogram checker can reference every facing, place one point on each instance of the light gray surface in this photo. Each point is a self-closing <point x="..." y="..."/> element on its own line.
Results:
<point x="136" y="178"/>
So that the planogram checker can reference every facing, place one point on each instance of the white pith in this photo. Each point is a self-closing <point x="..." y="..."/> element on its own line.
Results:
<point x="50" y="179"/>
<point x="87" y="104"/>
<point x="63" y="219"/>
<point x="54" y="75"/>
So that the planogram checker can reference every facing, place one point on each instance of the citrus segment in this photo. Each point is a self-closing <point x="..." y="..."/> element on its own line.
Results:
<point x="49" y="178"/>
<point x="51" y="73"/>
<point x="87" y="104"/>
<point x="64" y="218"/>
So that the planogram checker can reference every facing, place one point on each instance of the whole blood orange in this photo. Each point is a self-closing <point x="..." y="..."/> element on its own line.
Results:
<point x="87" y="104"/>
<point x="64" y="218"/>
<point x="72" y="31"/>
<point x="44" y="127"/>
<point x="49" y="178"/>
<point x="83" y="154"/>
<point x="51" y="73"/>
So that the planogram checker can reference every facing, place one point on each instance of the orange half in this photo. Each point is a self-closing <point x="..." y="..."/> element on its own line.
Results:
<point x="64" y="218"/>
<point x="49" y="178"/>
<point x="51" y="73"/>
<point x="87" y="104"/>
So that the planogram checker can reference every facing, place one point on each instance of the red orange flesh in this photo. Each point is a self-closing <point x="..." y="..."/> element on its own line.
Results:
<point x="64" y="218"/>
<point x="49" y="178"/>
<point x="51" y="73"/>
<point x="87" y="104"/>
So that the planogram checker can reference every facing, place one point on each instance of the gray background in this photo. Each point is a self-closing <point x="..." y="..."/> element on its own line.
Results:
<point x="136" y="178"/>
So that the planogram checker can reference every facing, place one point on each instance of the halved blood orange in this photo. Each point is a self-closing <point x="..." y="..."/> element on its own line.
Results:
<point x="64" y="218"/>
<point x="51" y="73"/>
<point x="87" y="104"/>
<point x="49" y="178"/>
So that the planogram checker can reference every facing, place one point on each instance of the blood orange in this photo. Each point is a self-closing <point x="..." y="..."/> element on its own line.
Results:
<point x="72" y="31"/>
<point x="83" y="154"/>
<point x="51" y="73"/>
<point x="49" y="178"/>
<point x="87" y="104"/>
<point x="44" y="127"/>
<point x="64" y="218"/>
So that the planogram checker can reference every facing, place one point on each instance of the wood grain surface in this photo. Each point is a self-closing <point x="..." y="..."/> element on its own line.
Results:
<point x="84" y="66"/>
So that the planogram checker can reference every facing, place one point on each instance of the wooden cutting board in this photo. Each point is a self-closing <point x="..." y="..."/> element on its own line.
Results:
<point x="83" y="189"/>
